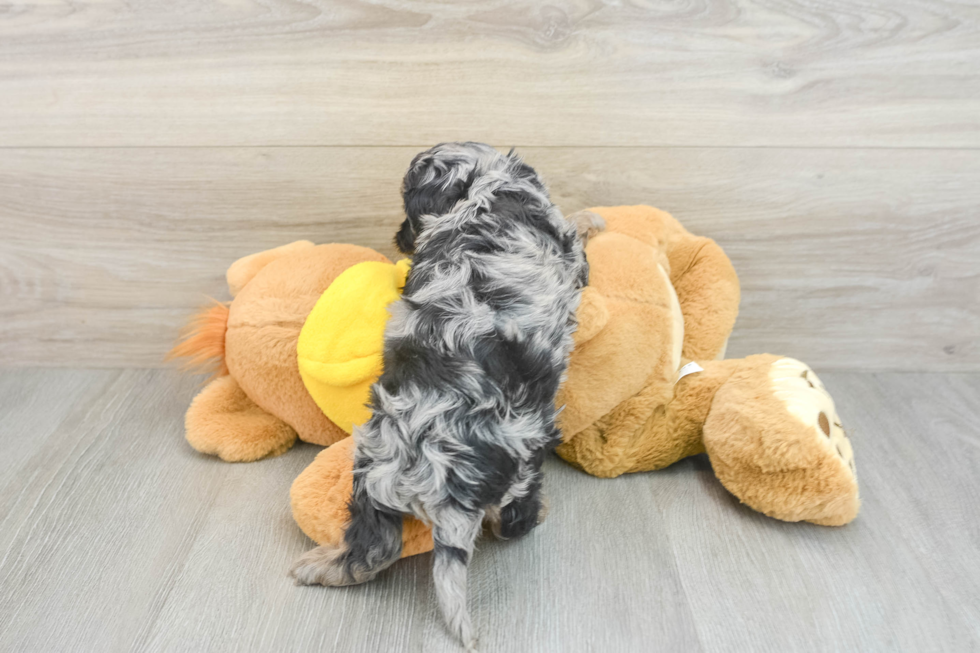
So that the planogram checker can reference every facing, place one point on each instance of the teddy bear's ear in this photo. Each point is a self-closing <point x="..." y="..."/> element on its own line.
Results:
<point x="592" y="315"/>
<point x="244" y="269"/>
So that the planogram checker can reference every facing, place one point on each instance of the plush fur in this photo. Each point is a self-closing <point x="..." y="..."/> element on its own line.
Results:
<point x="202" y="342"/>
<point x="223" y="421"/>
<point x="264" y="324"/>
<point x="475" y="351"/>
<point x="259" y="405"/>
<point x="625" y="410"/>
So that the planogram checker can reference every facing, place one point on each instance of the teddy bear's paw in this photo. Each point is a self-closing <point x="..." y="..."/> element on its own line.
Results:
<point x="776" y="442"/>
<point x="806" y="398"/>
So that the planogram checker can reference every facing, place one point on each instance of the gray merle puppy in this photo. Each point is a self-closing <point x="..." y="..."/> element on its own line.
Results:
<point x="475" y="350"/>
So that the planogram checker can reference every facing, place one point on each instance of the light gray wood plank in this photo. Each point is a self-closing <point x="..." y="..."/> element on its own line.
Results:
<point x="134" y="542"/>
<point x="33" y="404"/>
<point x="519" y="592"/>
<point x="849" y="259"/>
<point x="100" y="518"/>
<point x="902" y="577"/>
<point x="926" y="430"/>
<point x="571" y="72"/>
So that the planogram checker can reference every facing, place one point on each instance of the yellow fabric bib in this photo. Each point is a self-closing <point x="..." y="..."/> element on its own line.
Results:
<point x="340" y="346"/>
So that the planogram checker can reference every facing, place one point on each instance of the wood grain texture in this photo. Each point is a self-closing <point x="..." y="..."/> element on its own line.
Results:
<point x="116" y="536"/>
<point x="915" y="438"/>
<point x="881" y="73"/>
<point x="849" y="259"/>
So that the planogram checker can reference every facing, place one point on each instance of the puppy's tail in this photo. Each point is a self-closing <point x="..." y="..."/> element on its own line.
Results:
<point x="454" y="537"/>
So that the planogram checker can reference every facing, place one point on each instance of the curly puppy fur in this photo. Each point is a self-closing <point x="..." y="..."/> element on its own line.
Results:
<point x="475" y="350"/>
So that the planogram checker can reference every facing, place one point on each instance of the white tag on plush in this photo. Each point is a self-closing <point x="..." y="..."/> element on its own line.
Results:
<point x="690" y="368"/>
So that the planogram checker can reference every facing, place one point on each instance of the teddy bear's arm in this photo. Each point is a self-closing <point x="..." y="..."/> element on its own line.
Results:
<point x="708" y="290"/>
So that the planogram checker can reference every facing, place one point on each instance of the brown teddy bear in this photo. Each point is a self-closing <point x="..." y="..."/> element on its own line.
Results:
<point x="647" y="385"/>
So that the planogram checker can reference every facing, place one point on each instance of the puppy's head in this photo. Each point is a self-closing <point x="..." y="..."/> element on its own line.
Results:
<point x="436" y="180"/>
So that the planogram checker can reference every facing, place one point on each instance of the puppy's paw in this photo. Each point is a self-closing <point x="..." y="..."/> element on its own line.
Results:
<point x="491" y="521"/>
<point x="587" y="224"/>
<point x="545" y="508"/>
<point x="518" y="518"/>
<point x="323" y="565"/>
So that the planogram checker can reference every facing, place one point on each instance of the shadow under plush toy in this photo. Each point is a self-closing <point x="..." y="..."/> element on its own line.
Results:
<point x="300" y="345"/>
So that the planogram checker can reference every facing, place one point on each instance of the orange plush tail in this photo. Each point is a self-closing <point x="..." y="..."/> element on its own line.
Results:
<point x="202" y="341"/>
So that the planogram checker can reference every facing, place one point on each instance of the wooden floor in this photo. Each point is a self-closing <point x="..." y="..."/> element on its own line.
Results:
<point x="831" y="147"/>
<point x="116" y="536"/>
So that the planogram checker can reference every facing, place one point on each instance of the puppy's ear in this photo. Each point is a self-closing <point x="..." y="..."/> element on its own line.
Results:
<point x="437" y="179"/>
<point x="405" y="238"/>
<point x="442" y="175"/>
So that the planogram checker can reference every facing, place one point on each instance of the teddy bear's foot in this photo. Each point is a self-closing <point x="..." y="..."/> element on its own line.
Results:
<point x="224" y="422"/>
<point x="776" y="442"/>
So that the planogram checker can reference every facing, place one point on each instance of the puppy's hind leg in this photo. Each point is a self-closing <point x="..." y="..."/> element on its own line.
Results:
<point x="519" y="517"/>
<point x="522" y="513"/>
<point x="372" y="542"/>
